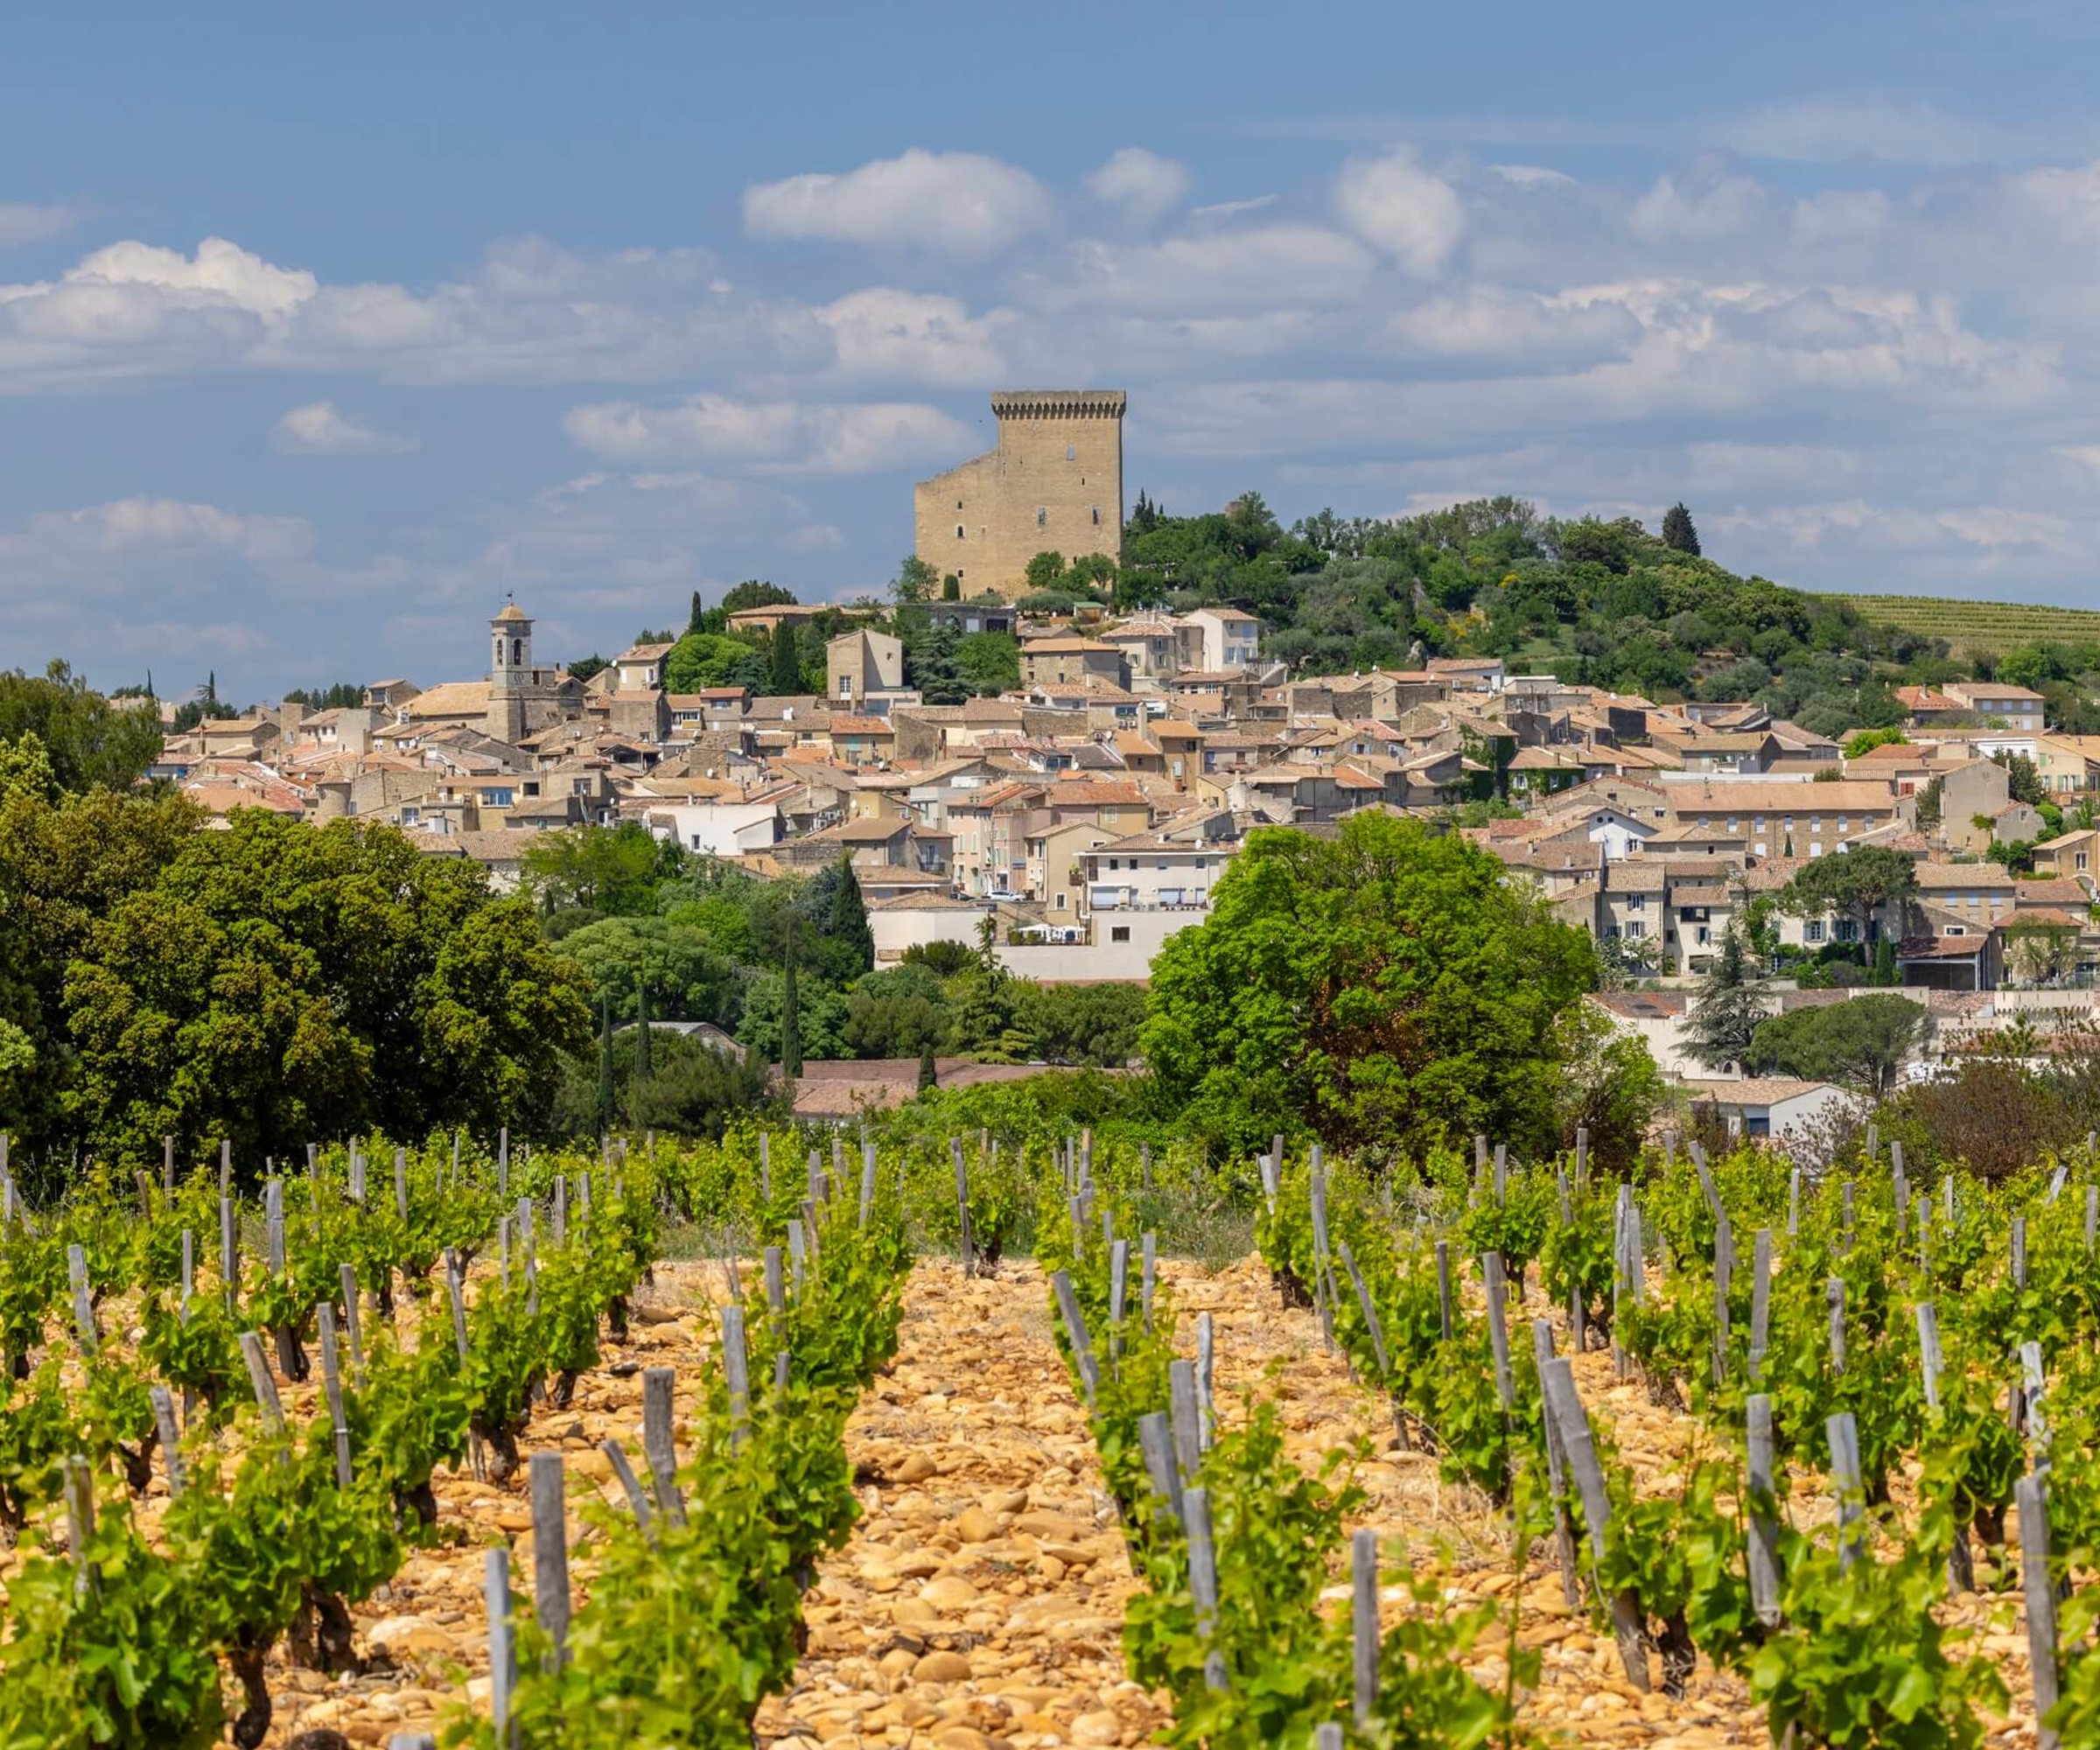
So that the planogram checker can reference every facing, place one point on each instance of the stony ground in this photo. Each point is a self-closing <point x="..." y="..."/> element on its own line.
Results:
<point x="979" y="1600"/>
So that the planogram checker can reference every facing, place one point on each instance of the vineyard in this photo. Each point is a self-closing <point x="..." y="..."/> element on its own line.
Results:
<point x="1717" y="1454"/>
<point x="1980" y="628"/>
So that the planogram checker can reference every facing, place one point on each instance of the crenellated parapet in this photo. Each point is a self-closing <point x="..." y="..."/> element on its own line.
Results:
<point x="1058" y="403"/>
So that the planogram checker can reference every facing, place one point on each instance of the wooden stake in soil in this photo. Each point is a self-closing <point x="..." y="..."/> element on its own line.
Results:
<point x="1148" y="1276"/>
<point x="1444" y="1288"/>
<point x="1564" y="1404"/>
<point x="1929" y="1352"/>
<point x="965" y="1254"/>
<point x="659" y="1448"/>
<point x="867" y="1183"/>
<point x="79" y="1519"/>
<point x="551" y="1555"/>
<point x="616" y="1455"/>
<point x="83" y="1307"/>
<point x="1363" y="1625"/>
<point x="1076" y="1333"/>
<point x="230" y="1251"/>
<point x="351" y="1328"/>
<point x="1156" y="1442"/>
<point x="1764" y="1526"/>
<point x="502" y="1648"/>
<point x="2030" y="1493"/>
<point x="776" y="1283"/>
<point x="1834" y="1294"/>
<point x="737" y="1367"/>
<point x="332" y="1390"/>
<point x="265" y="1387"/>
<point x="1760" y="1300"/>
<point x="1186" y="1419"/>
<point x="171" y="1450"/>
<point x="1205" y="1348"/>
<point x="1119" y="1281"/>
<point x="167" y="1163"/>
<point x="1498" y="1329"/>
<point x="1557" y="1469"/>
<point x="1203" y="1585"/>
<point x="1843" y="1435"/>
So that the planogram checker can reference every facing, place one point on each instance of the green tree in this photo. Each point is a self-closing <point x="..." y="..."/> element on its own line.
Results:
<point x="1046" y="570"/>
<point x="1869" y="739"/>
<point x="1081" y="1024"/>
<point x="951" y="588"/>
<point x="88" y="740"/>
<point x="1862" y="1042"/>
<point x="688" y="977"/>
<point x="1677" y="530"/>
<point x="831" y="904"/>
<point x="699" y="1090"/>
<point x="598" y="871"/>
<point x="930" y="1074"/>
<point x="985" y="1000"/>
<point x="930" y="663"/>
<point x="785" y="678"/>
<point x="754" y="593"/>
<point x="790" y="1021"/>
<point x="1855" y="883"/>
<point x="1886" y="969"/>
<point x="713" y="659"/>
<point x="276" y="982"/>
<point x="987" y="663"/>
<point x="2023" y="779"/>
<point x="1729" y="1008"/>
<point x="916" y="581"/>
<point x="604" y="1063"/>
<point x="641" y="1030"/>
<point x="1388" y="986"/>
<point x="897" y="1012"/>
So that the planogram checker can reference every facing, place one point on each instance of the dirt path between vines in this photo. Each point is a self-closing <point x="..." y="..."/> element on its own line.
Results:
<point x="980" y="1601"/>
<point x="1450" y="1529"/>
<point x="428" y="1624"/>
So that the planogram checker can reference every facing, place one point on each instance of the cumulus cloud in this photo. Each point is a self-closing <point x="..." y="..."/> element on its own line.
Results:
<point x="1267" y="265"/>
<point x="955" y="203"/>
<point x="1142" y="184"/>
<point x="319" y="427"/>
<point x="770" y="437"/>
<point x="1700" y="209"/>
<point x="916" y="337"/>
<point x="1501" y="322"/>
<point x="1406" y="212"/>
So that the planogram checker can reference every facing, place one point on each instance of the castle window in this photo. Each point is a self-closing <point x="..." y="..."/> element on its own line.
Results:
<point x="1097" y="516"/>
<point x="1071" y="453"/>
<point x="958" y="531"/>
<point x="958" y="504"/>
<point x="1042" y="515"/>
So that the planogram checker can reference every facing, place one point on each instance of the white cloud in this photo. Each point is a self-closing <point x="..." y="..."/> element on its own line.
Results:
<point x="956" y="203"/>
<point x="1144" y="186"/>
<point x="1230" y="209"/>
<point x="23" y="221"/>
<point x="1270" y="265"/>
<point x="915" y="337"/>
<point x="816" y="537"/>
<point x="1837" y="129"/>
<point x="1496" y="322"/>
<point x="136" y="540"/>
<point x="771" y="437"/>
<point x="1405" y="211"/>
<point x="1530" y="176"/>
<point x="1706" y="208"/>
<point x="320" y="429"/>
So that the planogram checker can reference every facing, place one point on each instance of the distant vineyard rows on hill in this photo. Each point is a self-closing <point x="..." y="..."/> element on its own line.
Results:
<point x="1980" y="627"/>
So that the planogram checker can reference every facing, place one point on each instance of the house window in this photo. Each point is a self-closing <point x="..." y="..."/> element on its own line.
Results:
<point x="1636" y="902"/>
<point x="1847" y="930"/>
<point x="1060" y="903"/>
<point x="2082" y="860"/>
<point x="1957" y="929"/>
<point x="1812" y="931"/>
<point x="1119" y="933"/>
<point x="1635" y="929"/>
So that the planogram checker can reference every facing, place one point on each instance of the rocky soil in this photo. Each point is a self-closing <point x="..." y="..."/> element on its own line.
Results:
<point x="979" y="1601"/>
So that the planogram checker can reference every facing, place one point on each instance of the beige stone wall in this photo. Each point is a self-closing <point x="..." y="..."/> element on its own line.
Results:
<point x="1055" y="482"/>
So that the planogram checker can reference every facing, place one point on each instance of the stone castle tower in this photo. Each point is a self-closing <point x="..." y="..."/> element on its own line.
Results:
<point x="1055" y="482"/>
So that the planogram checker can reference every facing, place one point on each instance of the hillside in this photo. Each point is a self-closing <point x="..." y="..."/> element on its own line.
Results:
<point x="1977" y="628"/>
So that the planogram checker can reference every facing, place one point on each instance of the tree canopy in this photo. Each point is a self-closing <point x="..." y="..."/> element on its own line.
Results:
<point x="1854" y="884"/>
<point x="86" y="738"/>
<point x="1386" y="985"/>
<point x="1861" y="1042"/>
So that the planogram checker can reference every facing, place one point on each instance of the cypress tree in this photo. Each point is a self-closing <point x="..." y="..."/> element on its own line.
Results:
<point x="930" y="1074"/>
<point x="694" y="619"/>
<point x="605" y="1064"/>
<point x="848" y="923"/>
<point x="791" y="1019"/>
<point x="1677" y="530"/>
<point x="787" y="677"/>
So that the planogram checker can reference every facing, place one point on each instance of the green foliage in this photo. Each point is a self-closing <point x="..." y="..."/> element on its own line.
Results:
<point x="1729" y="1008"/>
<point x="90" y="742"/>
<point x="275" y="982"/>
<point x="1386" y="985"/>
<point x="1857" y="884"/>
<point x="714" y="659"/>
<point x="1677" y="530"/>
<point x="581" y="873"/>
<point x="1868" y="740"/>
<point x="1861" y="1042"/>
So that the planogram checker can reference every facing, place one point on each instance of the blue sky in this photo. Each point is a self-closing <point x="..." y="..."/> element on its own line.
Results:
<point x="319" y="333"/>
